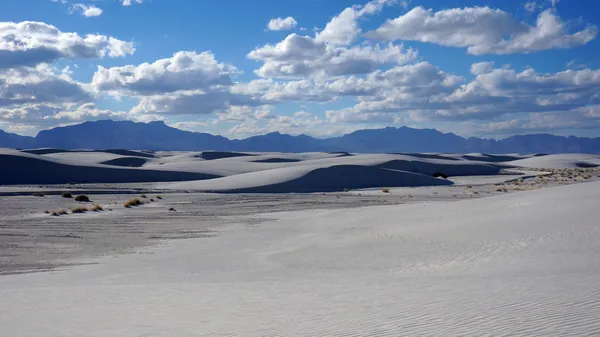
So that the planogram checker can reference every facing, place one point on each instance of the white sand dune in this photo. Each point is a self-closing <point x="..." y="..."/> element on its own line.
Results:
<point x="523" y="264"/>
<point x="24" y="168"/>
<point x="244" y="172"/>
<point x="246" y="175"/>
<point x="307" y="178"/>
<point x="559" y="161"/>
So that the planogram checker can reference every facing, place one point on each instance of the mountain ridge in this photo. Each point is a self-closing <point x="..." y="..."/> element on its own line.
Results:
<point x="107" y="134"/>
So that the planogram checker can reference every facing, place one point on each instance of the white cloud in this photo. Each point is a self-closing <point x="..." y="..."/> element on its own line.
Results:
<point x="282" y="24"/>
<point x="343" y="28"/>
<point x="531" y="6"/>
<point x="130" y="2"/>
<point x="482" y="68"/>
<point x="422" y="93"/>
<point x="85" y="10"/>
<point x="31" y="43"/>
<point x="183" y="71"/>
<point x="34" y="116"/>
<point x="303" y="56"/>
<point x="483" y="30"/>
<point x="39" y="85"/>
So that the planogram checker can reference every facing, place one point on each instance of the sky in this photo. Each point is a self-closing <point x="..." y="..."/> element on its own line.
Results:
<point x="324" y="68"/>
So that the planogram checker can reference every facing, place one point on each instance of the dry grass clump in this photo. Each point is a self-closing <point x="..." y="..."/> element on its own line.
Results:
<point x="67" y="195"/>
<point x="346" y="189"/>
<point x="59" y="213"/>
<point x="501" y="189"/>
<point x="79" y="210"/>
<point x="133" y="202"/>
<point x="385" y="190"/>
<point x="143" y="196"/>
<point x="96" y="208"/>
<point x="82" y="198"/>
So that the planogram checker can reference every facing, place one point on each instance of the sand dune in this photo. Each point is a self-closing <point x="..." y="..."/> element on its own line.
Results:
<point x="254" y="172"/>
<point x="212" y="155"/>
<point x="21" y="168"/>
<point x="305" y="179"/>
<point x="559" y="161"/>
<point x="126" y="162"/>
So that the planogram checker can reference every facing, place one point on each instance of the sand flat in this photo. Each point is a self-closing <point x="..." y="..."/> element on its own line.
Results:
<point x="522" y="264"/>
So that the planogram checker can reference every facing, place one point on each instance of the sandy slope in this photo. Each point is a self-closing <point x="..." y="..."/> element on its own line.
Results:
<point x="243" y="172"/>
<point x="523" y="264"/>
<point x="559" y="161"/>
<point x="24" y="168"/>
<point x="306" y="179"/>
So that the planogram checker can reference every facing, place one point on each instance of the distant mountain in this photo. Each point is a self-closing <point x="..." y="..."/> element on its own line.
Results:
<point x="108" y="134"/>
<point x="11" y="140"/>
<point x="129" y="135"/>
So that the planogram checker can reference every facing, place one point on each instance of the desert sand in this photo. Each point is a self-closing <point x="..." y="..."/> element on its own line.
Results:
<point x="505" y="246"/>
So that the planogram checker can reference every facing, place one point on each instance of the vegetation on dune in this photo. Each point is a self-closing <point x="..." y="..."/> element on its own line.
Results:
<point x="59" y="212"/>
<point x="133" y="202"/>
<point x="82" y="198"/>
<point x="79" y="210"/>
<point x="96" y="208"/>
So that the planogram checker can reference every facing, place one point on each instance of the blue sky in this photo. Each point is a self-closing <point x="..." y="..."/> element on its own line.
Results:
<point x="240" y="68"/>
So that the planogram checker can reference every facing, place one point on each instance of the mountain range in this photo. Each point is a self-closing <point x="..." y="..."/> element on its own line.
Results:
<point x="129" y="135"/>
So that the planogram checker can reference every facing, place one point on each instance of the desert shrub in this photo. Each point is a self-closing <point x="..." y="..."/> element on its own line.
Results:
<point x="151" y="200"/>
<point x="143" y="196"/>
<point x="67" y="195"/>
<point x="133" y="203"/>
<point x="79" y="210"/>
<point x="172" y="209"/>
<point x="82" y="198"/>
<point x="346" y="189"/>
<point x="158" y="197"/>
<point x="59" y="212"/>
<point x="96" y="208"/>
<point x="385" y="190"/>
<point x="439" y="174"/>
<point x="469" y="186"/>
<point x="47" y="212"/>
<point x="502" y="189"/>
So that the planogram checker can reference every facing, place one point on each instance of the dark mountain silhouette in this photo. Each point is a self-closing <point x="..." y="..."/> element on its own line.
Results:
<point x="159" y="136"/>
<point x="15" y="141"/>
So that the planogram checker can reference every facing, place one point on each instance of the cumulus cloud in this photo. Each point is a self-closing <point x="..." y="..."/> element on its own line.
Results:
<point x="130" y="2"/>
<point x="491" y="95"/>
<point x="183" y="71"/>
<point x="343" y="28"/>
<point x="39" y="85"/>
<point x="282" y="24"/>
<point x="302" y="56"/>
<point x="32" y="43"/>
<point x="85" y="10"/>
<point x="36" y="116"/>
<point x="483" y="30"/>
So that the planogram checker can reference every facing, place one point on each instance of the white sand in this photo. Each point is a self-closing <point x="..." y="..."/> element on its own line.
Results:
<point x="559" y="161"/>
<point x="523" y="264"/>
<point x="241" y="172"/>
